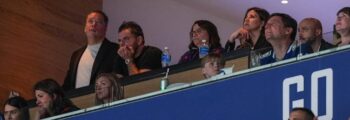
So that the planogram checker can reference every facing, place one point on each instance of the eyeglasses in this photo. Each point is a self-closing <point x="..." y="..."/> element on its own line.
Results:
<point x="126" y="40"/>
<point x="342" y="16"/>
<point x="198" y="31"/>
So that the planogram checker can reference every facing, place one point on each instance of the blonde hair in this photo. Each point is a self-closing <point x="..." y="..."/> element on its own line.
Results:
<point x="117" y="90"/>
<point x="215" y="59"/>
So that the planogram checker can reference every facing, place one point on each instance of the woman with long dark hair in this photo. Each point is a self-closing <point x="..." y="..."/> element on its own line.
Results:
<point x="51" y="100"/>
<point x="16" y="108"/>
<point x="202" y="30"/>
<point x="251" y="34"/>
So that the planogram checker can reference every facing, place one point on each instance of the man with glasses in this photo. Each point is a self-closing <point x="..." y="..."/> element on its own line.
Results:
<point x="310" y="31"/>
<point x="98" y="56"/>
<point x="138" y="57"/>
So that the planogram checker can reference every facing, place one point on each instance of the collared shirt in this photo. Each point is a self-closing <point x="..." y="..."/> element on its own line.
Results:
<point x="293" y="51"/>
<point x="85" y="65"/>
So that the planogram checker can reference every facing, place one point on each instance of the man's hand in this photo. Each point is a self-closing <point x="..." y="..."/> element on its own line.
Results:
<point x="126" y="52"/>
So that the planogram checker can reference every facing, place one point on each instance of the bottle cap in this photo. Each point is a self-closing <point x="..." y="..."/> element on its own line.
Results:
<point x="204" y="40"/>
<point x="166" y="48"/>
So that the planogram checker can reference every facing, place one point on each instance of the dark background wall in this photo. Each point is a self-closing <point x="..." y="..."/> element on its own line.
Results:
<point x="37" y="38"/>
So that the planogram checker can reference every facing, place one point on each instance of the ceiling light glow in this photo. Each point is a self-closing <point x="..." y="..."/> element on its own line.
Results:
<point x="284" y="1"/>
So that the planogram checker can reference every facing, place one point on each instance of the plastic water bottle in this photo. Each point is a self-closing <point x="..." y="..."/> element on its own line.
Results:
<point x="203" y="49"/>
<point x="166" y="57"/>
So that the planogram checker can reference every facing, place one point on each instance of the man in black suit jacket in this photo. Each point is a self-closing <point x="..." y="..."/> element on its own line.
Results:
<point x="98" y="56"/>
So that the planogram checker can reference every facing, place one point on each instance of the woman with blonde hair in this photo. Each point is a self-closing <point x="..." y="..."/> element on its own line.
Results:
<point x="108" y="88"/>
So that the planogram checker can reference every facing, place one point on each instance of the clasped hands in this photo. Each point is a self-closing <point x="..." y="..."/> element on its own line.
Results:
<point x="127" y="53"/>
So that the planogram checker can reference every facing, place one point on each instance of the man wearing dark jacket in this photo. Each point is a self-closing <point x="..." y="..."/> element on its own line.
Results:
<point x="310" y="31"/>
<point x="98" y="56"/>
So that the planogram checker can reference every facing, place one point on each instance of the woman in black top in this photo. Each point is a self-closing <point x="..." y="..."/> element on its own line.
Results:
<point x="50" y="99"/>
<point x="251" y="34"/>
<point x="16" y="108"/>
<point x="202" y="30"/>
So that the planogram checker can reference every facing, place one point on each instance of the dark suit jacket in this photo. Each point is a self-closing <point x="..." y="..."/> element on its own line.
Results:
<point x="107" y="60"/>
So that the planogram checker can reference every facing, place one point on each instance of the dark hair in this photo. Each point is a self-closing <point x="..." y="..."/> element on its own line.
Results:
<point x="52" y="88"/>
<point x="288" y="21"/>
<point x="21" y="104"/>
<point x="135" y="29"/>
<point x="214" y="39"/>
<point x="117" y="91"/>
<point x="309" y="114"/>
<point x="263" y="14"/>
<point x="345" y="10"/>
<point x="105" y="17"/>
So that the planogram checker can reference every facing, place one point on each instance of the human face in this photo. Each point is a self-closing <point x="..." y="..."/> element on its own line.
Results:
<point x="199" y="34"/>
<point x="297" y="115"/>
<point x="307" y="31"/>
<point x="11" y="113"/>
<point x="343" y="23"/>
<point x="95" y="27"/>
<point x="252" y="21"/>
<point x="210" y="69"/>
<point x="103" y="88"/>
<point x="127" y="39"/>
<point x="43" y="99"/>
<point x="274" y="29"/>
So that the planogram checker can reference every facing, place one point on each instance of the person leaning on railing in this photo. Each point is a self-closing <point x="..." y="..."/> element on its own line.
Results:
<point x="138" y="57"/>
<point x="50" y="99"/>
<point x="108" y="88"/>
<point x="212" y="65"/>
<point x="16" y="108"/>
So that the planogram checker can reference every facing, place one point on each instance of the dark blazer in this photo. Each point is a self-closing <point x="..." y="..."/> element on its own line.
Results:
<point x="107" y="60"/>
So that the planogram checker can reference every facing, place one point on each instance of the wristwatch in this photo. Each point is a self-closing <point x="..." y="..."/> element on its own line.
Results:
<point x="127" y="61"/>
